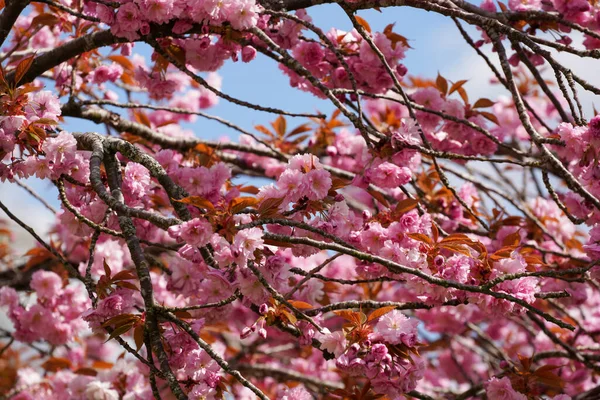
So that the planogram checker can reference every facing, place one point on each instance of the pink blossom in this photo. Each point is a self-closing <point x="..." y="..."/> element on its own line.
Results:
<point x="501" y="389"/>
<point x="137" y="180"/>
<point x="388" y="175"/>
<point x="106" y="73"/>
<point x="248" y="53"/>
<point x="196" y="232"/>
<point x="594" y="126"/>
<point x="396" y="328"/>
<point x="204" y="55"/>
<point x="128" y="21"/>
<point x="316" y="184"/>
<point x="571" y="7"/>
<point x="297" y="393"/>
<point x="46" y="284"/>
<point x="8" y="297"/>
<point x="60" y="150"/>
<point x="524" y="5"/>
<point x="242" y="14"/>
<point x="333" y="342"/>
<point x="43" y="105"/>
<point x="97" y="390"/>
<point x="245" y="242"/>
<point x="159" y="11"/>
<point x="309" y="53"/>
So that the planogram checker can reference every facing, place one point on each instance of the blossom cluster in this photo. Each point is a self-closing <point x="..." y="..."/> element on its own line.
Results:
<point x="134" y="18"/>
<point x="54" y="317"/>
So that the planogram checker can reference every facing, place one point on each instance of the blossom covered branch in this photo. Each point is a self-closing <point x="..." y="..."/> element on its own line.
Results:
<point x="412" y="243"/>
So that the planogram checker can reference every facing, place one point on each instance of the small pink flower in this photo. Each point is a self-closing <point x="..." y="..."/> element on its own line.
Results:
<point x="316" y="184"/>
<point x="98" y="390"/>
<point x="501" y="389"/>
<point x="246" y="241"/>
<point x="196" y="232"/>
<point x="333" y="342"/>
<point x="44" y="105"/>
<point x="297" y="393"/>
<point x="396" y="328"/>
<point x="388" y="175"/>
<point x="46" y="284"/>
<point x="106" y="73"/>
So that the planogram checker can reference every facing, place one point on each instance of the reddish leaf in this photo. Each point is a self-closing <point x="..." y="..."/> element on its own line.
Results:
<point x="55" y="364"/>
<point x="338" y="183"/>
<point x="123" y="276"/>
<point x="142" y="118"/>
<point x="379" y="197"/>
<point x="490" y="117"/>
<point x="525" y="362"/>
<point x="127" y="285"/>
<point x="102" y="365"/>
<point x="405" y="206"/>
<point x="456" y="248"/>
<point x="86" y="371"/>
<point x="273" y="242"/>
<point x="421" y="238"/>
<point x="355" y="318"/>
<point x="107" y="270"/>
<point x="363" y="23"/>
<point x="248" y="189"/>
<point x="22" y="68"/>
<point x="238" y="204"/>
<point x="483" y="103"/>
<point x="183" y="315"/>
<point x="380" y="312"/>
<point x="442" y="84"/>
<point x="268" y="207"/>
<point x="44" y="19"/>
<point x="435" y="232"/>
<point x="119" y="331"/>
<point x="122" y="61"/>
<point x="280" y="125"/>
<point x="265" y="130"/>
<point x="197" y="201"/>
<point x="299" y="129"/>
<point x="301" y="305"/>
<point x="121" y="319"/>
<point x="457" y="85"/>
<point x="463" y="94"/>
<point x="45" y="121"/>
<point x="290" y="317"/>
<point x="138" y="337"/>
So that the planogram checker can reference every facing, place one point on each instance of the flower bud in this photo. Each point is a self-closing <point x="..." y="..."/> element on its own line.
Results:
<point x="263" y="309"/>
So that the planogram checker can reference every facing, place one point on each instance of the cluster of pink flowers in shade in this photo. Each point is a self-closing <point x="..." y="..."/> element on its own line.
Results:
<point x="55" y="315"/>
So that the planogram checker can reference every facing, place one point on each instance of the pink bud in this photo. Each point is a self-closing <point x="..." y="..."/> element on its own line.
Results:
<point x="248" y="53"/>
<point x="246" y="332"/>
<point x="263" y="309"/>
<point x="262" y="333"/>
